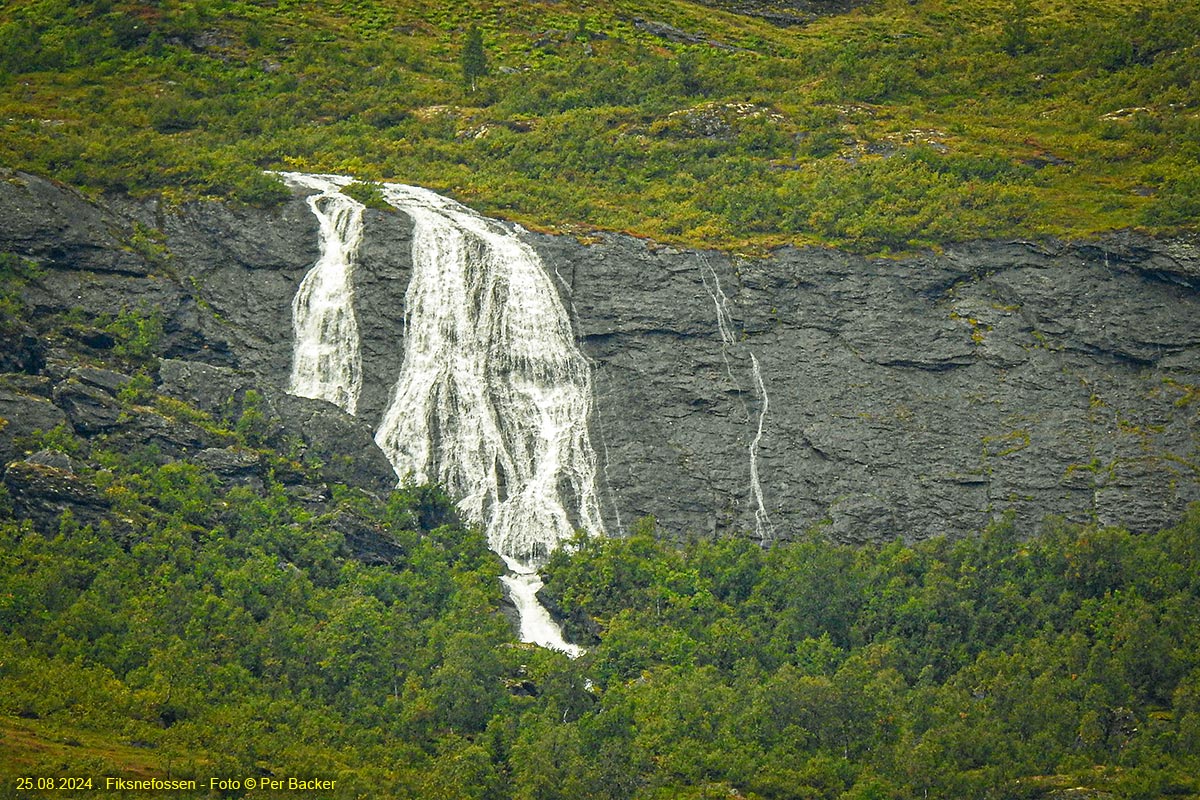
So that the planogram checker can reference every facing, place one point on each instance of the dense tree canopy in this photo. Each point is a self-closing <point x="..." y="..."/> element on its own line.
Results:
<point x="231" y="633"/>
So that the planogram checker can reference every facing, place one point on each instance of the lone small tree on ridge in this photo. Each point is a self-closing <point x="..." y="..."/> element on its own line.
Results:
<point x="474" y="60"/>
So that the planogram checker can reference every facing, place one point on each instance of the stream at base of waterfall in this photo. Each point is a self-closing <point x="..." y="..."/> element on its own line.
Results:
<point x="537" y="625"/>
<point x="493" y="398"/>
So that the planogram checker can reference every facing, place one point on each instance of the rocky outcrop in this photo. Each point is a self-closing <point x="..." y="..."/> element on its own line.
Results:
<point x="344" y="445"/>
<point x="42" y="488"/>
<point x="369" y="543"/>
<point x="672" y="34"/>
<point x="24" y="411"/>
<point x="20" y="349"/>
<point x="876" y="397"/>
<point x="61" y="230"/>
<point x="233" y="464"/>
<point x="786" y="12"/>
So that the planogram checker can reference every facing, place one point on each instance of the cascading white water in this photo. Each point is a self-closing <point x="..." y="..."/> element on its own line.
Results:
<point x="762" y="523"/>
<point x="326" y="363"/>
<point x="712" y="284"/>
<point x="493" y="397"/>
<point x="708" y="276"/>
<point x="537" y="625"/>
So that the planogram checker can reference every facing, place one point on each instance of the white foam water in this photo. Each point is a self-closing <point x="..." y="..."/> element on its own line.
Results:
<point x="494" y="396"/>
<point x="712" y="284"/>
<point x="537" y="626"/>
<point x="326" y="362"/>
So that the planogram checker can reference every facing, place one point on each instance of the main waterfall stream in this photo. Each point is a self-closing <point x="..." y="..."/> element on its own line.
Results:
<point x="493" y="397"/>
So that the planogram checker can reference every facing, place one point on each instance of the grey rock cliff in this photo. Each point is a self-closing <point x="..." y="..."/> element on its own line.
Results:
<point x="915" y="397"/>
<point x="222" y="284"/>
<point x="910" y="397"/>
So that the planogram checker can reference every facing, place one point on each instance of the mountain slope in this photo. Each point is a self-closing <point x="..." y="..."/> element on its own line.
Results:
<point x="892" y="126"/>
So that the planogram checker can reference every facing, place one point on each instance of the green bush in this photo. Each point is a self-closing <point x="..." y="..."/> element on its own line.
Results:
<point x="369" y="194"/>
<point x="1178" y="201"/>
<point x="138" y="334"/>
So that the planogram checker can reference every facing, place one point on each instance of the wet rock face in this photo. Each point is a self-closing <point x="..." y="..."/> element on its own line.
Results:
<point x="916" y="397"/>
<point x="881" y="398"/>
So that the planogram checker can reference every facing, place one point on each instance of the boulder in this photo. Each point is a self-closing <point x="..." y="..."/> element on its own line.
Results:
<point x="344" y="445"/>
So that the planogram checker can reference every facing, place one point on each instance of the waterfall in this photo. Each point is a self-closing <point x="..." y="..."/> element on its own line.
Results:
<point x="712" y="284"/>
<point x="762" y="523"/>
<point x="326" y="363"/>
<point x="537" y="625"/>
<point x="493" y="397"/>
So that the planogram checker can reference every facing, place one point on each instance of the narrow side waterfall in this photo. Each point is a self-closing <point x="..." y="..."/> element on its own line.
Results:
<point x="493" y="397"/>
<point x="762" y="522"/>
<point x="537" y="625"/>
<point x="712" y="284"/>
<point x="326" y="363"/>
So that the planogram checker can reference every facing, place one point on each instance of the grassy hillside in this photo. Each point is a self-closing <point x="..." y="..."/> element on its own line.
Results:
<point x="896" y="125"/>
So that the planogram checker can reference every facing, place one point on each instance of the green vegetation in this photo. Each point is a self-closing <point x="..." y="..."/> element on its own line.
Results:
<point x="210" y="630"/>
<point x="15" y="274"/>
<point x="137" y="334"/>
<point x="896" y="125"/>
<point x="474" y="60"/>
<point x="176" y="623"/>
<point x="369" y="194"/>
<point x="946" y="669"/>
